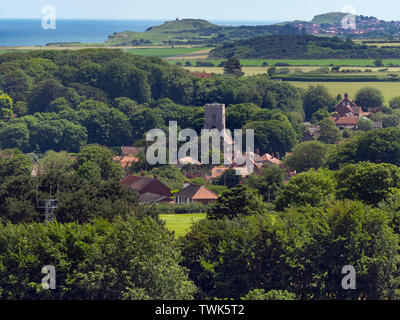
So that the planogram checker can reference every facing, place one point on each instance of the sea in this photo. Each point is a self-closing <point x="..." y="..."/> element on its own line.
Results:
<point x="29" y="32"/>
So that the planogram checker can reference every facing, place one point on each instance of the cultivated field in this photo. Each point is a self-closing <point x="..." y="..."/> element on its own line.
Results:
<point x="180" y="223"/>
<point x="389" y="89"/>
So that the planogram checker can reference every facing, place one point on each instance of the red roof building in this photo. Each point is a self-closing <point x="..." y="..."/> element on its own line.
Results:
<point x="150" y="190"/>
<point x="195" y="193"/>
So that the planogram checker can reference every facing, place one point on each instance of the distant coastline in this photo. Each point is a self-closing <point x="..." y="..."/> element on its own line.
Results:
<point x="28" y="32"/>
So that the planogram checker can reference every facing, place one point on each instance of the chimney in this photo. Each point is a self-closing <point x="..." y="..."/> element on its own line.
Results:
<point x="258" y="151"/>
<point x="155" y="176"/>
<point x="142" y="173"/>
<point x="346" y="95"/>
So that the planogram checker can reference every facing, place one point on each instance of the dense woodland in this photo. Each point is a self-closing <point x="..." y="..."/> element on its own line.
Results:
<point x="301" y="47"/>
<point x="69" y="112"/>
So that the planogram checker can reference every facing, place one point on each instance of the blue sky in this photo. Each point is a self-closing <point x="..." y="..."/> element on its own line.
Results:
<point x="260" y="10"/>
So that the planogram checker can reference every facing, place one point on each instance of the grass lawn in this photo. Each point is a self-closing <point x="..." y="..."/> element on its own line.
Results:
<point x="389" y="89"/>
<point x="180" y="223"/>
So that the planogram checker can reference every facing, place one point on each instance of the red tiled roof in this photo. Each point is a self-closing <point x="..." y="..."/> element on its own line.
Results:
<point x="346" y="120"/>
<point x="125" y="161"/>
<point x="144" y="184"/>
<point x="197" y="192"/>
<point x="216" y="172"/>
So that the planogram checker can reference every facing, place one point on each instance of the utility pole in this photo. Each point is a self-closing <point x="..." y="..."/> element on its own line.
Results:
<point x="49" y="205"/>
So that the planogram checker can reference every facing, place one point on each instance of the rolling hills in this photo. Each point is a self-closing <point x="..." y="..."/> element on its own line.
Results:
<point x="202" y="32"/>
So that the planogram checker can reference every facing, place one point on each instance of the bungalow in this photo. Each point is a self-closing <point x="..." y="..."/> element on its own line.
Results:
<point x="195" y="193"/>
<point x="150" y="190"/>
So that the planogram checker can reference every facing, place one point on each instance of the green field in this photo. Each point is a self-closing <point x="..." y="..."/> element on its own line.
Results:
<point x="389" y="89"/>
<point x="180" y="223"/>
<point x="164" y="52"/>
<point x="5" y="51"/>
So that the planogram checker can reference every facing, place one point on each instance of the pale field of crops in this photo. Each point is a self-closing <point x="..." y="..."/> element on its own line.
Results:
<point x="389" y="89"/>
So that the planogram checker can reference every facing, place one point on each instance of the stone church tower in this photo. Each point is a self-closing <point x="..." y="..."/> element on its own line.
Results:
<point x="214" y="116"/>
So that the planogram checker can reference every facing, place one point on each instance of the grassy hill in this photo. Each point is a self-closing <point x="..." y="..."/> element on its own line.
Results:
<point x="193" y="32"/>
<point x="329" y="18"/>
<point x="301" y="47"/>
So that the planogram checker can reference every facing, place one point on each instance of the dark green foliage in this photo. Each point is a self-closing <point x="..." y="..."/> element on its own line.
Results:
<point x="237" y="201"/>
<point x="120" y="260"/>
<point x="307" y="188"/>
<point x="273" y="136"/>
<point x="269" y="183"/>
<point x="291" y="46"/>
<point x="232" y="66"/>
<point x="302" y="251"/>
<point x="373" y="146"/>
<point x="316" y="98"/>
<point x="366" y="181"/>
<point x="308" y="155"/>
<point x="329" y="133"/>
<point x="259" y="294"/>
<point x="369" y="98"/>
<point x="229" y="179"/>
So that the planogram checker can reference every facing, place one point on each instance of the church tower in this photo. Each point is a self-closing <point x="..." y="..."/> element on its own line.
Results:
<point x="214" y="116"/>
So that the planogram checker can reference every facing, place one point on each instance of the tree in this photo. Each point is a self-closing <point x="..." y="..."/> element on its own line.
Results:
<point x="170" y="175"/>
<point x="58" y="162"/>
<point x="238" y="115"/>
<point x="268" y="183"/>
<point x="89" y="170"/>
<point x="273" y="136"/>
<point x="103" y="157"/>
<point x="307" y="188"/>
<point x="15" y="135"/>
<point x="233" y="66"/>
<point x="229" y="178"/>
<point x="378" y="63"/>
<point x="308" y="155"/>
<point x="6" y="106"/>
<point x="240" y="200"/>
<point x="93" y="264"/>
<point x="365" y="124"/>
<point x="335" y="235"/>
<point x="369" y="97"/>
<point x="14" y="163"/>
<point x="366" y="181"/>
<point x="316" y="98"/>
<point x="321" y="114"/>
<point x="376" y="146"/>
<point x="260" y="294"/>
<point x="271" y="71"/>
<point x="394" y="103"/>
<point x="329" y="133"/>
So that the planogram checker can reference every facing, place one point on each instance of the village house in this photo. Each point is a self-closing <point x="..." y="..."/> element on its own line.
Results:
<point x="150" y="190"/>
<point x="348" y="114"/>
<point x="195" y="193"/>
